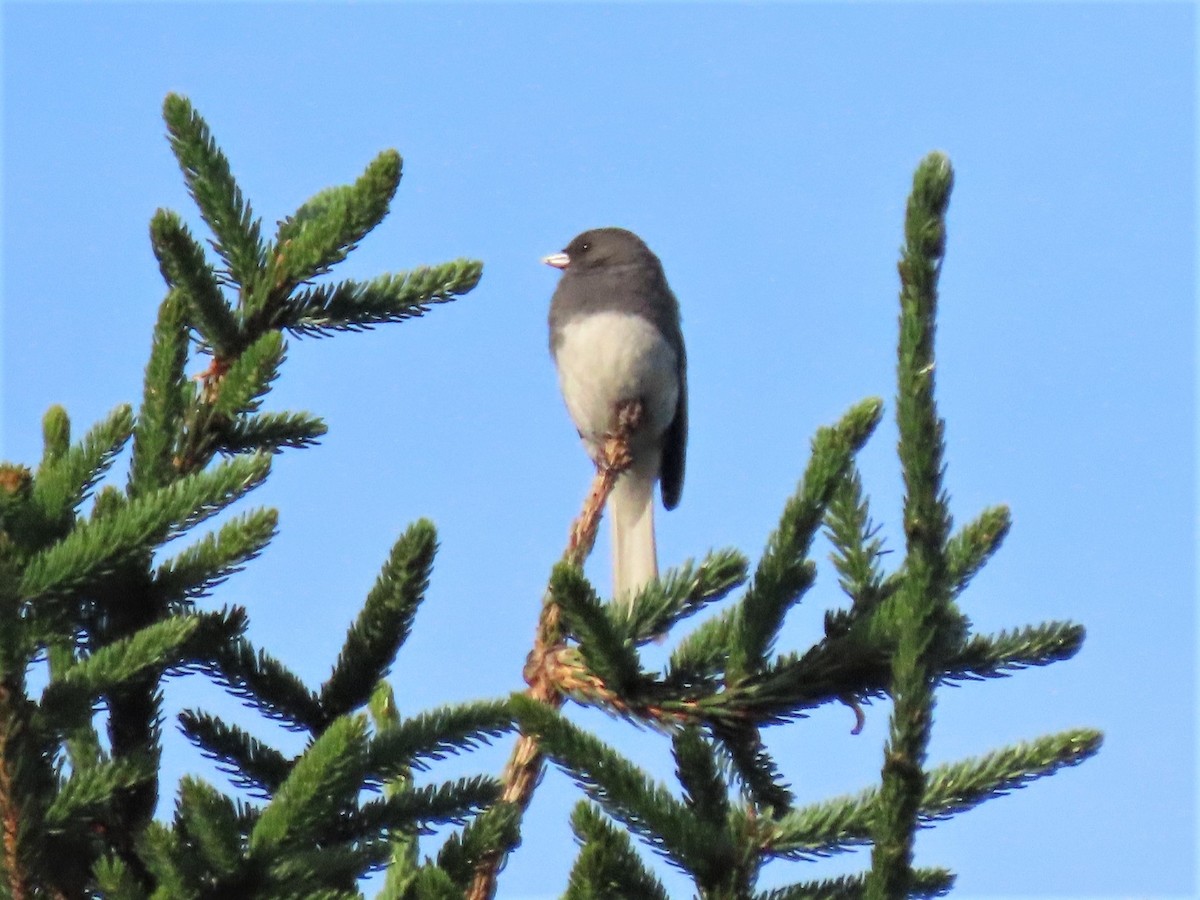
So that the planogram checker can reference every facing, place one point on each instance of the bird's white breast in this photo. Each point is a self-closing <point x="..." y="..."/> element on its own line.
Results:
<point x="607" y="357"/>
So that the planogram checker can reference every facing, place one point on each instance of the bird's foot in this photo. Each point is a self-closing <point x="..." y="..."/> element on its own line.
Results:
<point x="615" y="454"/>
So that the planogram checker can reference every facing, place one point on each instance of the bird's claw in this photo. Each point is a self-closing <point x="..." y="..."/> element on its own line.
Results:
<point x="615" y="453"/>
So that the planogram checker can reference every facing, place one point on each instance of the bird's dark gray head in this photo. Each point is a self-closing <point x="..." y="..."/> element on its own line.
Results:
<point x="612" y="270"/>
<point x="603" y="247"/>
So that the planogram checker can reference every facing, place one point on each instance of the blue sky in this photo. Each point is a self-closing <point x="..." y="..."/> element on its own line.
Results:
<point x="765" y="152"/>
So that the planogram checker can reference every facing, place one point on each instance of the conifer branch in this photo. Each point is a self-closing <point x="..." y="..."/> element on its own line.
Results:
<point x="56" y="436"/>
<point x="645" y="807"/>
<point x="844" y="822"/>
<point x="404" y="867"/>
<point x="81" y="739"/>
<point x="967" y="550"/>
<point x="761" y="779"/>
<point x="856" y="554"/>
<point x="789" y="685"/>
<point x="329" y="225"/>
<point x="704" y="790"/>
<point x="160" y="420"/>
<point x="925" y="883"/>
<point x="970" y="548"/>
<point x="197" y="570"/>
<point x="427" y="883"/>
<point x="184" y="268"/>
<point x="316" y="789"/>
<point x="691" y="690"/>
<point x="749" y="628"/>
<point x="355" y="306"/>
<point x="465" y="855"/>
<point x="212" y="826"/>
<point x="384" y="622"/>
<point x="261" y="681"/>
<point x="89" y="789"/>
<point x="161" y="849"/>
<point x="114" y="879"/>
<point x="448" y="803"/>
<point x="607" y="865"/>
<point x="921" y="600"/>
<point x="793" y="683"/>
<point x="957" y="787"/>
<point x="154" y="647"/>
<point x="249" y="376"/>
<point x="68" y="474"/>
<point x="212" y="186"/>
<point x="990" y="656"/>
<point x="215" y="630"/>
<point x="680" y="593"/>
<point x="250" y="764"/>
<point x="434" y="735"/>
<point x="608" y="655"/>
<point x="524" y="767"/>
<point x="96" y="547"/>
<point x="269" y="431"/>
<point x="701" y="656"/>
<point x="784" y="572"/>
<point x="84" y="590"/>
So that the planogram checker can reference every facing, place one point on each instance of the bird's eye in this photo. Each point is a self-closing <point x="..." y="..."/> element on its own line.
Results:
<point x="586" y="247"/>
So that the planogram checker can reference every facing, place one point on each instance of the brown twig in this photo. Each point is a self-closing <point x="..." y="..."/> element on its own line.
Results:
<point x="211" y="377"/>
<point x="10" y="811"/>
<point x="524" y="767"/>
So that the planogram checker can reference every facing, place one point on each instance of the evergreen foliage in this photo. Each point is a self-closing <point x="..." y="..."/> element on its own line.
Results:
<point x="88" y="592"/>
<point x="901" y="636"/>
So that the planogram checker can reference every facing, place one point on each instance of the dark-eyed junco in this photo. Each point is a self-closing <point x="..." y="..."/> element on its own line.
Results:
<point x="615" y="337"/>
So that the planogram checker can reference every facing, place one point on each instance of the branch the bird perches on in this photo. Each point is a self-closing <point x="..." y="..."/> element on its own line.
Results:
<point x="524" y="767"/>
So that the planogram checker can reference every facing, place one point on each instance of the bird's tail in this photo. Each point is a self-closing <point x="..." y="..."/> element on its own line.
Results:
<point x="631" y="506"/>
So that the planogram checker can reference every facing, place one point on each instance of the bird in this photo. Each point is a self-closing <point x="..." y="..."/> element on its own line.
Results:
<point x="615" y="336"/>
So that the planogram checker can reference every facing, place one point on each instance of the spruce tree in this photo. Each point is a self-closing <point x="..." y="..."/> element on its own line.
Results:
<point x="87" y="592"/>
<point x="81" y="591"/>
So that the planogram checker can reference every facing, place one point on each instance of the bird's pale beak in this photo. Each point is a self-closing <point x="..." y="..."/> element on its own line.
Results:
<point x="558" y="260"/>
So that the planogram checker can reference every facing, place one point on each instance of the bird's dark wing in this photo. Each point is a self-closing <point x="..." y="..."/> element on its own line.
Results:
<point x="674" y="452"/>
